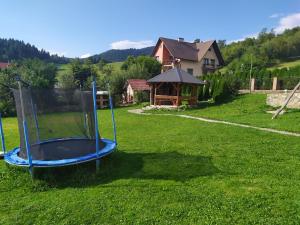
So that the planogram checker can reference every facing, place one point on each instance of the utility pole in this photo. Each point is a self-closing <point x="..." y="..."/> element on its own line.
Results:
<point x="250" y="75"/>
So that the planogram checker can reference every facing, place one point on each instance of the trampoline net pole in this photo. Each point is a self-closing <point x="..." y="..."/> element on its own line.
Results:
<point x="34" y="109"/>
<point x="112" y="114"/>
<point x="27" y="145"/>
<point x="96" y="117"/>
<point x="2" y="136"/>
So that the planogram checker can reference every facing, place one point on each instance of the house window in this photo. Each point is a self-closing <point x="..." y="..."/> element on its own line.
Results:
<point x="206" y="61"/>
<point x="209" y="49"/>
<point x="213" y="62"/>
<point x="190" y="71"/>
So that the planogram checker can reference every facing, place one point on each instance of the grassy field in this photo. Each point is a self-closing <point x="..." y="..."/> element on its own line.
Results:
<point x="247" y="109"/>
<point x="167" y="170"/>
<point x="286" y="65"/>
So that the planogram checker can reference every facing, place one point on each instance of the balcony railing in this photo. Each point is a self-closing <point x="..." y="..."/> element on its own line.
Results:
<point x="168" y="63"/>
<point x="209" y="66"/>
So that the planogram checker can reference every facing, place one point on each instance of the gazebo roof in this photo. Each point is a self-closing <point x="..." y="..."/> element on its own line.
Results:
<point x="175" y="75"/>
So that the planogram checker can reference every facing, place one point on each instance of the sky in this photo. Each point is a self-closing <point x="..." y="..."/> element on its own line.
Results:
<point x="80" y="28"/>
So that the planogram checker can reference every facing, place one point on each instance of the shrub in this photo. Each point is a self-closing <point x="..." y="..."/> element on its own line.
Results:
<point x="141" y="96"/>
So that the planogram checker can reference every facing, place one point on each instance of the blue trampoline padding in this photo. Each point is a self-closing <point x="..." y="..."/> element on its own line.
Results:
<point x="13" y="158"/>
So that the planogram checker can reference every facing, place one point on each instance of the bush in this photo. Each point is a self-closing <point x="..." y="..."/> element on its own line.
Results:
<point x="141" y="96"/>
<point x="221" y="87"/>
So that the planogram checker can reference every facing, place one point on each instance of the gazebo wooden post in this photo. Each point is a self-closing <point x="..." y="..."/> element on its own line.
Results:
<point x="178" y="102"/>
<point x="151" y="94"/>
<point x="155" y="94"/>
<point x="194" y="94"/>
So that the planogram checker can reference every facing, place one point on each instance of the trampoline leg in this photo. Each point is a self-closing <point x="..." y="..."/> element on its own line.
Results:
<point x="31" y="171"/>
<point x="97" y="165"/>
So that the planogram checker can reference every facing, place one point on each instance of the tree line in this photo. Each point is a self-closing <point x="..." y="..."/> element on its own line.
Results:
<point x="76" y="74"/>
<point x="14" y="50"/>
<point x="265" y="50"/>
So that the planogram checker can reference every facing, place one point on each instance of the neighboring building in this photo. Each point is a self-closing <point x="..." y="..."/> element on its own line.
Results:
<point x="135" y="85"/>
<point x="197" y="58"/>
<point x="3" y="65"/>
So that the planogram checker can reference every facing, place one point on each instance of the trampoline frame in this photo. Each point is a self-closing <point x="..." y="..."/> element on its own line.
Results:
<point x="13" y="158"/>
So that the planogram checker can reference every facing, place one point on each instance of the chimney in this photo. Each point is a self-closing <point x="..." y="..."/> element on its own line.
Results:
<point x="180" y="39"/>
<point x="197" y="40"/>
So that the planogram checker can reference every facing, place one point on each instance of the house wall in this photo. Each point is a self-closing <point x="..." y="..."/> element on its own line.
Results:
<point x="162" y="54"/>
<point x="211" y="55"/>
<point x="129" y="93"/>
<point x="196" y="66"/>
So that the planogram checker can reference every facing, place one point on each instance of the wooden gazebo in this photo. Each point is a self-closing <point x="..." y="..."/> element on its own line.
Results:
<point x="172" y="87"/>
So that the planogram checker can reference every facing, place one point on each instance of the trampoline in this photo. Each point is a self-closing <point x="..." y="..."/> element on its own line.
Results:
<point x="57" y="127"/>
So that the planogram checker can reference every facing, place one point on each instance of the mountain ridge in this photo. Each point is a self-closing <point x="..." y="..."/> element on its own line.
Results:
<point x="119" y="55"/>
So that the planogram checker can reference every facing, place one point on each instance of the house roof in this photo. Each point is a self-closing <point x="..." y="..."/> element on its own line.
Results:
<point x="3" y="65"/>
<point x="188" y="50"/>
<point x="176" y="75"/>
<point x="138" y="84"/>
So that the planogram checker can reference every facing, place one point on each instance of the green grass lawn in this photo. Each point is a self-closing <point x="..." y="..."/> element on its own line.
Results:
<point x="286" y="65"/>
<point x="247" y="109"/>
<point x="167" y="170"/>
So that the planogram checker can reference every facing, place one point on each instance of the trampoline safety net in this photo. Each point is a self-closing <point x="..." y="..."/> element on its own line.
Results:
<point x="60" y="122"/>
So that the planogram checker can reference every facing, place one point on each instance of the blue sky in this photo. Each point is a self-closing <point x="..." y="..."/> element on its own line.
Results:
<point x="80" y="28"/>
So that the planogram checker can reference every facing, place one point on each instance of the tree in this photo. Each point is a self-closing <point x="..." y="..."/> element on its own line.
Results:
<point x="150" y="66"/>
<point x="81" y="72"/>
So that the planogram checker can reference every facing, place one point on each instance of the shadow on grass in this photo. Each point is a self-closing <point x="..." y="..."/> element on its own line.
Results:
<point x="121" y="165"/>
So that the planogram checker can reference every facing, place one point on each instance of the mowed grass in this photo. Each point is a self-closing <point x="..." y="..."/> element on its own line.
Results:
<point x="286" y="65"/>
<point x="167" y="170"/>
<point x="248" y="109"/>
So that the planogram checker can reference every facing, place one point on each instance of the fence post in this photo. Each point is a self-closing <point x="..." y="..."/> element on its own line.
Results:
<point x="275" y="84"/>
<point x="252" y="87"/>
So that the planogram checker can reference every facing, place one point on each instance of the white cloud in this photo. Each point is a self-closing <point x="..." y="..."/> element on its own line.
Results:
<point x="85" y="55"/>
<point x="131" y="44"/>
<point x="254" y="35"/>
<point x="288" y="22"/>
<point x="276" y="15"/>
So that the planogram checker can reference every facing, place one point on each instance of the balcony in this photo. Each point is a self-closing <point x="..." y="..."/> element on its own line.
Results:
<point x="168" y="63"/>
<point x="208" y="68"/>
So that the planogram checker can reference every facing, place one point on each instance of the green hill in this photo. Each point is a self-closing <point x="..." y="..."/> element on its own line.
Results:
<point x="11" y="49"/>
<point x="286" y="65"/>
<point x="266" y="50"/>
<point x="117" y="55"/>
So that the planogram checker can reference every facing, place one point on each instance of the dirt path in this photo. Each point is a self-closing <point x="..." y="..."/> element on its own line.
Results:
<point x="141" y="112"/>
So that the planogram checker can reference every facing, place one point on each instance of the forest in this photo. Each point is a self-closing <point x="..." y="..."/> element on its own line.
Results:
<point x="13" y="50"/>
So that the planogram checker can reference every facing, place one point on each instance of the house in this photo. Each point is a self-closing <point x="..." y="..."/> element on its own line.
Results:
<point x="197" y="58"/>
<point x="166" y="88"/>
<point x="4" y="65"/>
<point x="135" y="85"/>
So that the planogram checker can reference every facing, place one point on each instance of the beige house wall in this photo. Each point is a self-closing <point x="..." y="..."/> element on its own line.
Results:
<point x="211" y="55"/>
<point x="196" y="66"/>
<point x="129" y="91"/>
